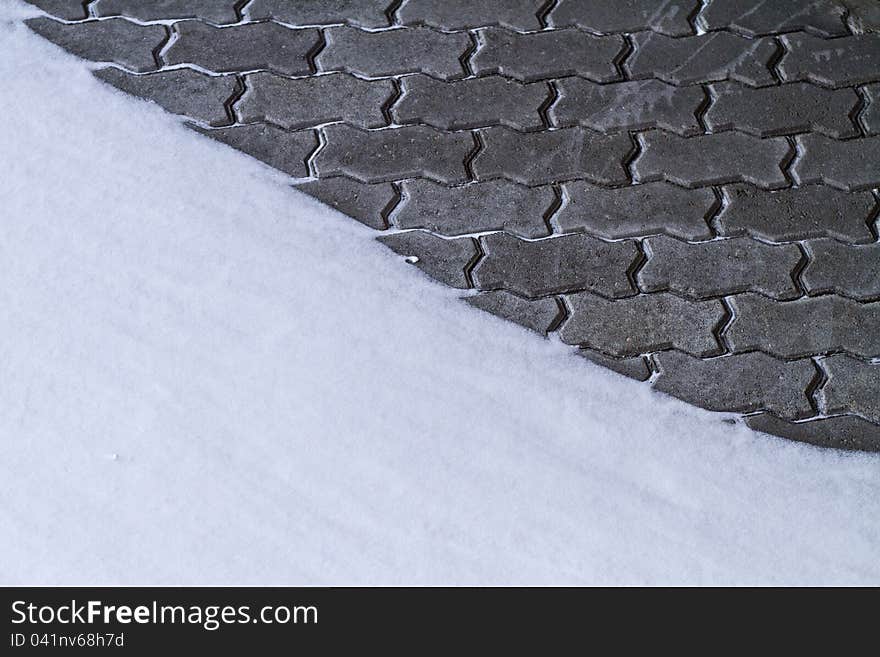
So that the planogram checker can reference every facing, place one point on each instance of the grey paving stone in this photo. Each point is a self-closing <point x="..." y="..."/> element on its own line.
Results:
<point x="633" y="368"/>
<point x="853" y="386"/>
<point x="465" y="14"/>
<point x="642" y="324"/>
<point x="393" y="52"/>
<point x="555" y="265"/>
<point x="539" y="315"/>
<point x="836" y="63"/>
<point x="636" y="210"/>
<point x="841" y="432"/>
<point x="543" y="135"/>
<point x="307" y="102"/>
<point x="706" y="58"/>
<point x="362" y="13"/>
<point x="721" y="267"/>
<point x="851" y="165"/>
<point x="740" y="383"/>
<point x="638" y="105"/>
<point x="114" y="40"/>
<point x="664" y="16"/>
<point x="796" y="214"/>
<point x="441" y="259"/>
<point x="544" y="55"/>
<point x="712" y="159"/>
<point x="474" y="208"/>
<point x="845" y="269"/>
<point x="543" y="157"/>
<point x="68" y="10"/>
<point x="787" y="109"/>
<point x="214" y="11"/>
<point x="384" y="155"/>
<point x="242" y="47"/>
<point x="190" y="93"/>
<point x="805" y="327"/>
<point x="365" y="203"/>
<point x="870" y="116"/>
<point x="864" y="15"/>
<point x="822" y="17"/>
<point x="474" y="103"/>
<point x="285" y="151"/>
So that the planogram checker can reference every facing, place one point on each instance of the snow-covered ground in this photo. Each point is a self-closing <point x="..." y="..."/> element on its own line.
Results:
<point x="207" y="377"/>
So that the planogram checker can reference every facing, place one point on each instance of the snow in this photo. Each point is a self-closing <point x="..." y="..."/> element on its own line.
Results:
<point x="207" y="377"/>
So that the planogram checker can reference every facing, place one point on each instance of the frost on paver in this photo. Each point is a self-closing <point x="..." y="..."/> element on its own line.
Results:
<point x="638" y="105"/>
<point x="822" y="17"/>
<point x="686" y="192"/>
<point x="667" y="17"/>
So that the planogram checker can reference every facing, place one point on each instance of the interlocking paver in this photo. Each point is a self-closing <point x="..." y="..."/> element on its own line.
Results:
<point x="741" y="383"/>
<point x="638" y="325"/>
<point x="555" y="265"/>
<point x="184" y="91"/>
<point x="631" y="173"/>
<point x="465" y="14"/>
<point x="366" y="203"/>
<point x="539" y="315"/>
<point x="796" y="214"/>
<point x="115" y="40"/>
<point x="720" y="267"/>
<point x="392" y="52"/>
<point x="870" y="116"/>
<point x="637" y="105"/>
<point x="445" y="260"/>
<point x="839" y="62"/>
<point x="712" y="159"/>
<point x="384" y="155"/>
<point x="69" y="10"/>
<point x="648" y="209"/>
<point x="283" y="150"/>
<point x="242" y="47"/>
<point x="474" y="103"/>
<point x="544" y="55"/>
<point x="664" y="16"/>
<point x="794" y="329"/>
<point x="543" y="157"/>
<point x="706" y="58"/>
<point x="822" y="17"/>
<point x="845" y="269"/>
<point x="634" y="368"/>
<point x="478" y="207"/>
<point x="851" y="165"/>
<point x="214" y="11"/>
<point x="841" y="431"/>
<point x="306" y="102"/>
<point x="782" y="110"/>
<point x="362" y="13"/>
<point x="852" y="386"/>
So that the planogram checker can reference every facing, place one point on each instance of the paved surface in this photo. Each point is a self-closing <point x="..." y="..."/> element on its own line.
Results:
<point x="686" y="191"/>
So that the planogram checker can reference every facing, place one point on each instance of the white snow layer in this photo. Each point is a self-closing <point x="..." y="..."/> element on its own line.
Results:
<point x="208" y="377"/>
